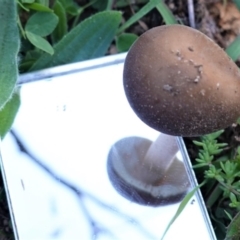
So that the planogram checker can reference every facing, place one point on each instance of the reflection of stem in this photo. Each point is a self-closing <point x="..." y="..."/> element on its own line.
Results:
<point x="95" y="227"/>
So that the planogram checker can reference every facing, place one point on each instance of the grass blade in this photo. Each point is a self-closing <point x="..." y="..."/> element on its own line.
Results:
<point x="143" y="11"/>
<point x="181" y="207"/>
<point x="167" y="15"/>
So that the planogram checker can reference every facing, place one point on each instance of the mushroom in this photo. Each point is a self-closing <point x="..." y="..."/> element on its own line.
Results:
<point x="148" y="173"/>
<point x="179" y="82"/>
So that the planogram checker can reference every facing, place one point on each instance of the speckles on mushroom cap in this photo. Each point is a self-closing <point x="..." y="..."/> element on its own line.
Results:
<point x="179" y="82"/>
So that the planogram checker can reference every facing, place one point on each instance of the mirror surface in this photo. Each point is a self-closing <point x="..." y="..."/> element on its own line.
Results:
<point x="55" y="162"/>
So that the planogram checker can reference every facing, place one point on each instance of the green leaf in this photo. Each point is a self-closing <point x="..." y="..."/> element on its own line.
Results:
<point x="167" y="15"/>
<point x="228" y="215"/>
<point x="81" y="44"/>
<point x="199" y="144"/>
<point x="38" y="7"/>
<point x="8" y="113"/>
<point x="213" y="136"/>
<point x="39" y="42"/>
<point x="125" y="3"/>
<point x="181" y="207"/>
<point x="22" y="6"/>
<point x="143" y="11"/>
<point x="233" y="50"/>
<point x="70" y="6"/>
<point x="43" y="2"/>
<point x="41" y="23"/>
<point x="233" y="230"/>
<point x="237" y="3"/>
<point x="233" y="197"/>
<point x="80" y="11"/>
<point x="61" y="29"/>
<point x="28" y="1"/>
<point x="125" y="41"/>
<point x="101" y="5"/>
<point x="9" y="47"/>
<point x="200" y="165"/>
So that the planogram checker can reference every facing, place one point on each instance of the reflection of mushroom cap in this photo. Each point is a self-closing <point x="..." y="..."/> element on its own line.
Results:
<point x="179" y="82"/>
<point x="126" y="171"/>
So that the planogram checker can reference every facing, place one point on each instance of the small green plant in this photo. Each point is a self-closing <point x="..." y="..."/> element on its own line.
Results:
<point x="222" y="176"/>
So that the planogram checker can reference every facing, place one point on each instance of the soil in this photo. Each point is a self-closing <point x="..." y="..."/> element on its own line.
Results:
<point x="218" y="19"/>
<point x="6" y="230"/>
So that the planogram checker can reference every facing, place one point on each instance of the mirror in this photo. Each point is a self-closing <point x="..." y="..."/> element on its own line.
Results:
<point x="55" y="161"/>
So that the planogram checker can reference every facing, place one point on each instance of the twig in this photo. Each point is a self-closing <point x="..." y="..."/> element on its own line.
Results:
<point x="96" y="228"/>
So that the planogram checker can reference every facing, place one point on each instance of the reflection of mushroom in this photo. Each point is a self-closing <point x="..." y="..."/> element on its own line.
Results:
<point x="179" y="82"/>
<point x="148" y="173"/>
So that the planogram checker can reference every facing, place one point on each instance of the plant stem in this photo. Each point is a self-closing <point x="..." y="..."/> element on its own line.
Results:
<point x="229" y="188"/>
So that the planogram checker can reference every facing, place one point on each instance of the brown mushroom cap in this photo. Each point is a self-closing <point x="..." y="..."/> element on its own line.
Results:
<point x="179" y="82"/>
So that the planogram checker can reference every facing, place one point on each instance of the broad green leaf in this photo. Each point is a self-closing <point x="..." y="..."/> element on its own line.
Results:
<point x="90" y="39"/>
<point x="181" y="207"/>
<point x="143" y="11"/>
<point x="233" y="230"/>
<point x="167" y="15"/>
<point x="8" y="113"/>
<point x="9" y="47"/>
<point x="233" y="50"/>
<point x="39" y="42"/>
<point x="38" y="7"/>
<point x="41" y="23"/>
<point x="61" y="29"/>
<point x="125" y="41"/>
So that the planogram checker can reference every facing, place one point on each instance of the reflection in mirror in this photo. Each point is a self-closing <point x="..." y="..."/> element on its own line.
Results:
<point x="54" y="162"/>
<point x="148" y="173"/>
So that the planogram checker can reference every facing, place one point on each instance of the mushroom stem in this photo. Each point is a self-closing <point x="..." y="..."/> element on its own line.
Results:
<point x="160" y="157"/>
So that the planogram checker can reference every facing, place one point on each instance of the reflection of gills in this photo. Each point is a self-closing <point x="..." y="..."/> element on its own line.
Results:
<point x="148" y="173"/>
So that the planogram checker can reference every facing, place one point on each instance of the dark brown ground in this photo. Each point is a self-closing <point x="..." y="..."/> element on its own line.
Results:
<point x="6" y="232"/>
